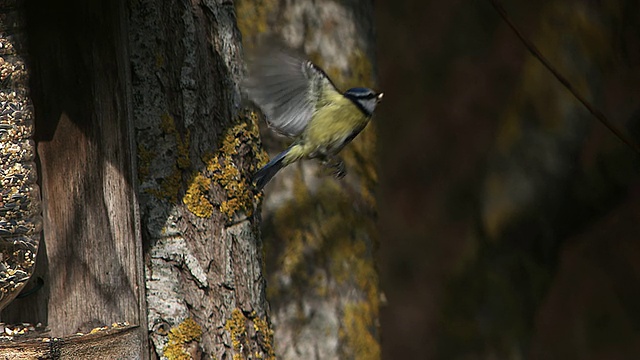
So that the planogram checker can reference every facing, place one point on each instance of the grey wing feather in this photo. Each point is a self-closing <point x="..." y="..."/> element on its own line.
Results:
<point x="286" y="87"/>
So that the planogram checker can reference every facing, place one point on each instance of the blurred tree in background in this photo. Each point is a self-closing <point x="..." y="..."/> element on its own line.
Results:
<point x="508" y="214"/>
<point x="319" y="232"/>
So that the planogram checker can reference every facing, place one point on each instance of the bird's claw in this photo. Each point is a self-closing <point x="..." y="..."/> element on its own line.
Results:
<point x="339" y="170"/>
<point x="336" y="167"/>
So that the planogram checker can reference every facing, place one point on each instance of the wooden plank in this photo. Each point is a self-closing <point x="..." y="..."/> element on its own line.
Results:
<point x="119" y="342"/>
<point x="92" y="263"/>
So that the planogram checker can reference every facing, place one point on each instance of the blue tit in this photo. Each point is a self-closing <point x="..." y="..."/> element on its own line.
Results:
<point x="300" y="101"/>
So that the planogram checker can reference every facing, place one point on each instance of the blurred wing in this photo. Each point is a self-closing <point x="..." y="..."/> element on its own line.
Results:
<point x="287" y="88"/>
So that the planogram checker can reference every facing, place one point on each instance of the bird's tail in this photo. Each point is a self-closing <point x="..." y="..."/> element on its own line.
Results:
<point x="264" y="175"/>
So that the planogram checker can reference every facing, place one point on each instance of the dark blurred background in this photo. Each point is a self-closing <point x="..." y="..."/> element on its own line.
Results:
<point x="509" y="216"/>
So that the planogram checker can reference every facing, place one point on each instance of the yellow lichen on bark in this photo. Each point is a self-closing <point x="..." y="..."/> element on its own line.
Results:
<point x="237" y="326"/>
<point x="221" y="169"/>
<point x="179" y="336"/>
<point x="225" y="172"/>
<point x="196" y="196"/>
<point x="264" y="334"/>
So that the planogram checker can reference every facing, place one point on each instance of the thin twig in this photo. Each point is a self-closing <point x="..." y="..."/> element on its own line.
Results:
<point x="536" y="53"/>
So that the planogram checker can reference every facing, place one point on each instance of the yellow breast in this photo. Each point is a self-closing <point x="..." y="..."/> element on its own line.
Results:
<point x="336" y="118"/>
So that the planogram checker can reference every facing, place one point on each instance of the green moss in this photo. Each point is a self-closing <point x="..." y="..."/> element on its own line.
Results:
<point x="144" y="162"/>
<point x="170" y="186"/>
<point x="183" y="160"/>
<point x="160" y="61"/>
<point x="179" y="336"/>
<point x="167" y="124"/>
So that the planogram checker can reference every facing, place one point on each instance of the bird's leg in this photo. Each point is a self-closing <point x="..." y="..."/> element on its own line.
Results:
<point x="336" y="164"/>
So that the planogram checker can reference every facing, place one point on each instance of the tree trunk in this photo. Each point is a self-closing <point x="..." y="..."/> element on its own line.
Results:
<point x="196" y="152"/>
<point x="319" y="232"/>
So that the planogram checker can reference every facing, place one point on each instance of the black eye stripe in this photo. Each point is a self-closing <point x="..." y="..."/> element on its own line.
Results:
<point x="366" y="96"/>
<point x="361" y="93"/>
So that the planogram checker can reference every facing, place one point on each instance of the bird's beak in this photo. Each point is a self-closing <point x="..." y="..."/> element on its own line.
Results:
<point x="380" y="97"/>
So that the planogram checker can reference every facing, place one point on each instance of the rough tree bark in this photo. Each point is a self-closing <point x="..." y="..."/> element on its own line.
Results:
<point x="319" y="232"/>
<point x="196" y="150"/>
